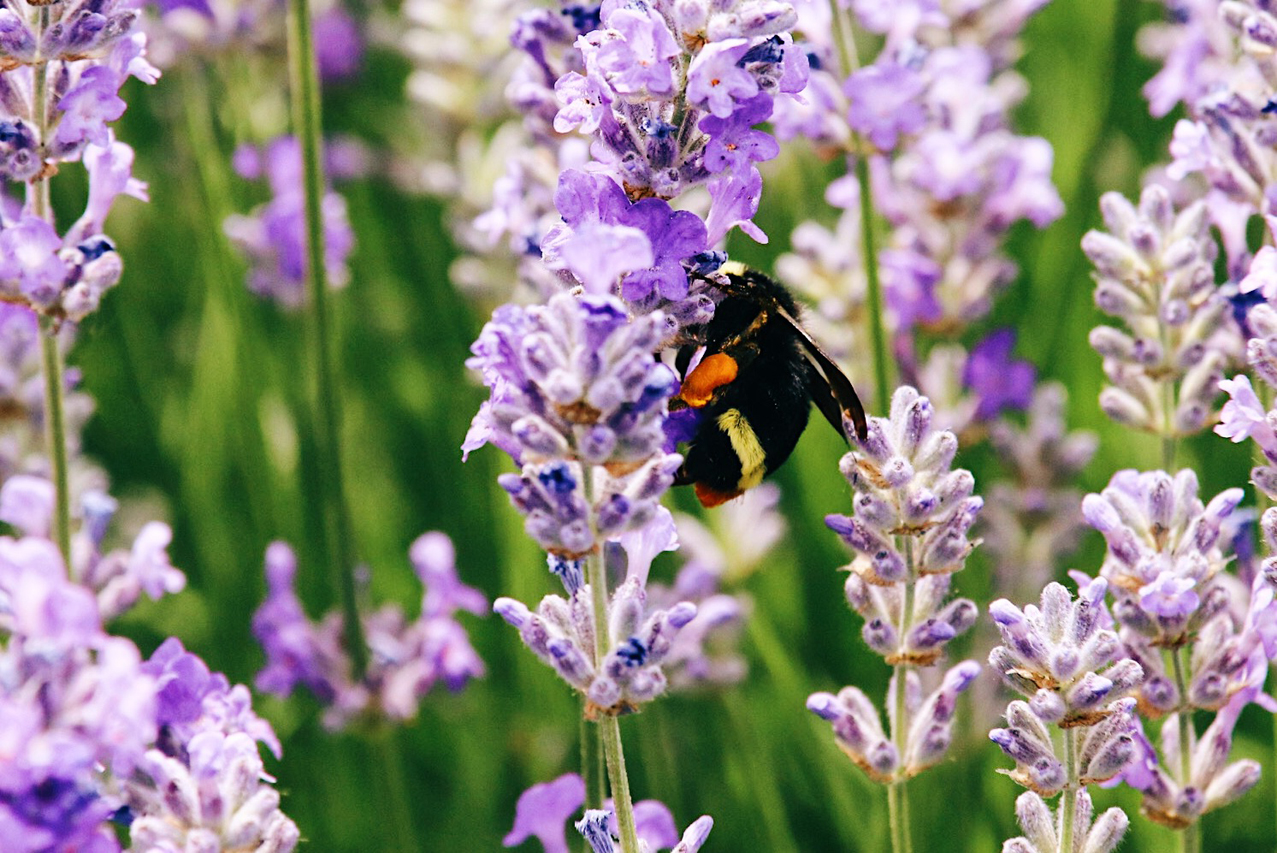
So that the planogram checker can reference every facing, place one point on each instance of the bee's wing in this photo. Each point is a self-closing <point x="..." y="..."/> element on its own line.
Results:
<point x="836" y="398"/>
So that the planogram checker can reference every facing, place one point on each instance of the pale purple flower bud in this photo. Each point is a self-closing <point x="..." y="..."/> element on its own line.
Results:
<point x="26" y="502"/>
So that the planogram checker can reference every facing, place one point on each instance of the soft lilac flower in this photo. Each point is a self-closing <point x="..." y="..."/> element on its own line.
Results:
<point x="406" y="659"/>
<point x="1263" y="273"/>
<point x="1244" y="416"/>
<point x="598" y="827"/>
<point x="274" y="236"/>
<point x="26" y="502"/>
<point x="637" y="63"/>
<point x="542" y="810"/>
<point x="88" y="107"/>
<point x="1154" y="271"/>
<point x="339" y="46"/>
<point x="733" y="141"/>
<point x="575" y="386"/>
<point x="674" y="235"/>
<point x="1170" y="597"/>
<point x="584" y="101"/>
<point x="29" y="262"/>
<point x="998" y="381"/>
<point x="734" y="200"/>
<point x="885" y="102"/>
<point x="716" y="81"/>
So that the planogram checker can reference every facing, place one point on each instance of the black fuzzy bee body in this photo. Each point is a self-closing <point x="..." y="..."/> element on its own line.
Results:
<point x="753" y="389"/>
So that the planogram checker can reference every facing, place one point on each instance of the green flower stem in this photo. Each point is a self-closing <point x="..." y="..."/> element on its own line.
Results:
<point x="897" y="793"/>
<point x="304" y="92"/>
<point x="1190" y="838"/>
<point x="55" y="429"/>
<point x="869" y="252"/>
<point x="1068" y="799"/>
<point x="609" y="724"/>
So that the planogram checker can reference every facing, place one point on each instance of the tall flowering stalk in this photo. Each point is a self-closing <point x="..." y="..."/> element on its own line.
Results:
<point x="63" y="66"/>
<point x="909" y="532"/>
<point x="1072" y="670"/>
<point x="579" y="403"/>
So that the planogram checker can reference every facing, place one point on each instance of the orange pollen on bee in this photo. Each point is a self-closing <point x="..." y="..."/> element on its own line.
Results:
<point x="713" y="372"/>
<point x="711" y="497"/>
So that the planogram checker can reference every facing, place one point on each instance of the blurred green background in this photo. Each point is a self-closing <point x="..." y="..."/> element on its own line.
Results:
<point x="202" y="417"/>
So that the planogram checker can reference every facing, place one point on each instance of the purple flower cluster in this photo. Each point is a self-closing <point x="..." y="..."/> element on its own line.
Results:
<point x="203" y="785"/>
<point x="640" y="637"/>
<point x="59" y="91"/>
<point x="406" y="659"/>
<point x="1245" y="415"/>
<point x="542" y="810"/>
<point x="92" y="733"/>
<point x="1155" y="272"/>
<point x="579" y="403"/>
<point x="1071" y="668"/>
<point x="932" y="114"/>
<point x="117" y="578"/>
<point x="909" y="532"/>
<point x="1201" y="639"/>
<point x="273" y="236"/>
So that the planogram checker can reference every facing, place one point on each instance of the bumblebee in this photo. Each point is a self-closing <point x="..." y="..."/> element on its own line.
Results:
<point x="749" y="396"/>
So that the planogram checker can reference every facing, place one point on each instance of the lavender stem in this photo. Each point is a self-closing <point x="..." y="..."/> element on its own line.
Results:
<point x="1068" y="798"/>
<point x="50" y="352"/>
<point x="897" y="793"/>
<point x="304" y="89"/>
<point x="610" y="724"/>
<point x="1189" y="838"/>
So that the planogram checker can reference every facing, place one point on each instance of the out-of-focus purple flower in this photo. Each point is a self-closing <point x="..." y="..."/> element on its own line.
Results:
<point x="999" y="382"/>
<point x="542" y="811"/>
<point x="274" y="237"/>
<point x="339" y="46"/>
<point x="657" y="832"/>
<point x="26" y="502"/>
<point x="406" y="659"/>
<point x="886" y="102"/>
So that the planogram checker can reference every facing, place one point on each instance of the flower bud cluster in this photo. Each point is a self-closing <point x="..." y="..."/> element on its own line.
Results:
<point x="640" y="638"/>
<point x="929" y="720"/>
<point x="1072" y="669"/>
<point x="1042" y="830"/>
<point x="912" y="514"/>
<point x="579" y="402"/>
<point x="203" y="786"/>
<point x="1155" y="273"/>
<point x="406" y="659"/>
<point x="1213" y="782"/>
<point x="598" y="828"/>
<point x="273" y="236"/>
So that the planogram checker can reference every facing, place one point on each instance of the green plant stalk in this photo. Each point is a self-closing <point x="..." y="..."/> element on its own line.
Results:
<point x="55" y="429"/>
<point x="897" y="793"/>
<point x="1068" y="798"/>
<point x="609" y="724"/>
<point x="304" y="94"/>
<point x="1190" y="838"/>
<point x="869" y="252"/>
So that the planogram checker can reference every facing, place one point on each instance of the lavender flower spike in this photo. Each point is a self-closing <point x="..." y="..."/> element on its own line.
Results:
<point x="1154" y="272"/>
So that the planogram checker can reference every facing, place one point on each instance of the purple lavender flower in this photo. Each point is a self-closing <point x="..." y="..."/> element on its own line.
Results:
<point x="273" y="236"/>
<point x="203" y="785"/>
<point x="999" y="382"/>
<point x="1154" y="272"/>
<point x="886" y="102"/>
<point x="575" y="389"/>
<point x="716" y="81"/>
<point x="78" y="702"/>
<point x="542" y="810"/>
<point x="339" y="45"/>
<point x="407" y="659"/>
<point x="598" y="828"/>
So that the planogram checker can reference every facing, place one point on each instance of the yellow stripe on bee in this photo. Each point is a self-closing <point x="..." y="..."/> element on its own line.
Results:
<point x="753" y="460"/>
<point x="733" y="268"/>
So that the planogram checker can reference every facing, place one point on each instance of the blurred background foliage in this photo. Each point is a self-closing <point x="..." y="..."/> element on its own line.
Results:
<point x="203" y="397"/>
